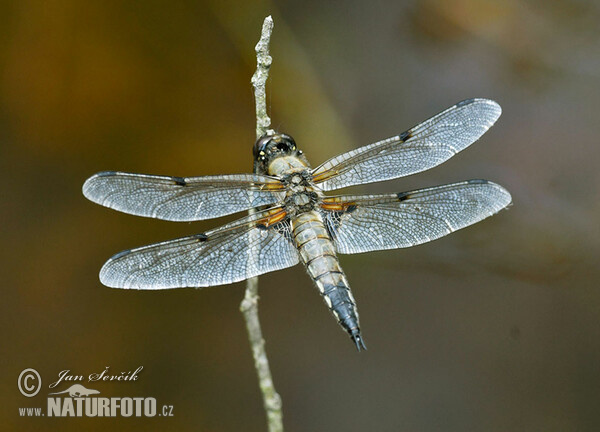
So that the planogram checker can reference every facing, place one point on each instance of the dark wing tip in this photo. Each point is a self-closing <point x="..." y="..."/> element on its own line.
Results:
<point x="504" y="196"/>
<point x="107" y="277"/>
<point x="468" y="102"/>
<point x="478" y="181"/>
<point x="493" y="105"/>
<point x="120" y="254"/>
<point x="90" y="184"/>
<point x="477" y="100"/>
<point x="105" y="174"/>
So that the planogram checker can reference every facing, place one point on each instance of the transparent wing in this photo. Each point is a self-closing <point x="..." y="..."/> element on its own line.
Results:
<point x="248" y="247"/>
<point x="377" y="222"/>
<point x="424" y="146"/>
<point x="182" y="199"/>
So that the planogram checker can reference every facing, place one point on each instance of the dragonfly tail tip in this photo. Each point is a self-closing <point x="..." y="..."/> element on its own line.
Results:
<point x="359" y="342"/>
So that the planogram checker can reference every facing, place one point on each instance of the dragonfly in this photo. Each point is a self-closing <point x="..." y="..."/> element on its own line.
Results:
<point x="291" y="220"/>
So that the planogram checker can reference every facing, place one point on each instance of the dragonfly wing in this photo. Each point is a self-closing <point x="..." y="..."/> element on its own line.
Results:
<point x="179" y="198"/>
<point x="424" y="146"/>
<point x="248" y="247"/>
<point x="377" y="222"/>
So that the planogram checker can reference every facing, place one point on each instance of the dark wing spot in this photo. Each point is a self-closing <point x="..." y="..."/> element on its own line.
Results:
<point x="261" y="226"/>
<point x="478" y="181"/>
<point x="403" y="196"/>
<point x="351" y="208"/>
<point x="404" y="136"/>
<point x="201" y="237"/>
<point x="180" y="181"/>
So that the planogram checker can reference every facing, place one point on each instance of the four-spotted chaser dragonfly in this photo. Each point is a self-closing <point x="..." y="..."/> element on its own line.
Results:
<point x="294" y="221"/>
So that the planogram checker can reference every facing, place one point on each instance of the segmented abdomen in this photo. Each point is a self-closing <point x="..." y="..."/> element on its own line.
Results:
<point x="318" y="254"/>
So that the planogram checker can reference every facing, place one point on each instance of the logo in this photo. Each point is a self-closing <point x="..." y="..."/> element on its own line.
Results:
<point x="77" y="390"/>
<point x="27" y="376"/>
<point x="80" y="401"/>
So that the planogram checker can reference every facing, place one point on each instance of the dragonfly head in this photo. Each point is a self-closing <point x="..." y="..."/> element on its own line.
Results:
<point x="269" y="147"/>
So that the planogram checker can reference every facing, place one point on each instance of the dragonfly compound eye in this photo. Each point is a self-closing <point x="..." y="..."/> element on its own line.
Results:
<point x="260" y="147"/>
<point x="270" y="146"/>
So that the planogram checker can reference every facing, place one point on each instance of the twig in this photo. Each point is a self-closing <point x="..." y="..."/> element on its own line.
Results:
<point x="259" y="79"/>
<point x="249" y="306"/>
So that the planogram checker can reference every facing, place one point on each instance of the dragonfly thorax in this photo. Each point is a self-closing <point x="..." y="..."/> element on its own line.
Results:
<point x="300" y="202"/>
<point x="301" y="195"/>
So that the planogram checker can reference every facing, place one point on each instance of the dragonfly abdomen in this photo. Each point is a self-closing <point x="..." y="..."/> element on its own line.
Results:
<point x="318" y="255"/>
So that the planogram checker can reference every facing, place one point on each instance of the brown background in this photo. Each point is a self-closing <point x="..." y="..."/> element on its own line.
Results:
<point x="494" y="328"/>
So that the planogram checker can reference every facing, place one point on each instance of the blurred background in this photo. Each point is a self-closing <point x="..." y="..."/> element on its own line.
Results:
<point x="493" y="328"/>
